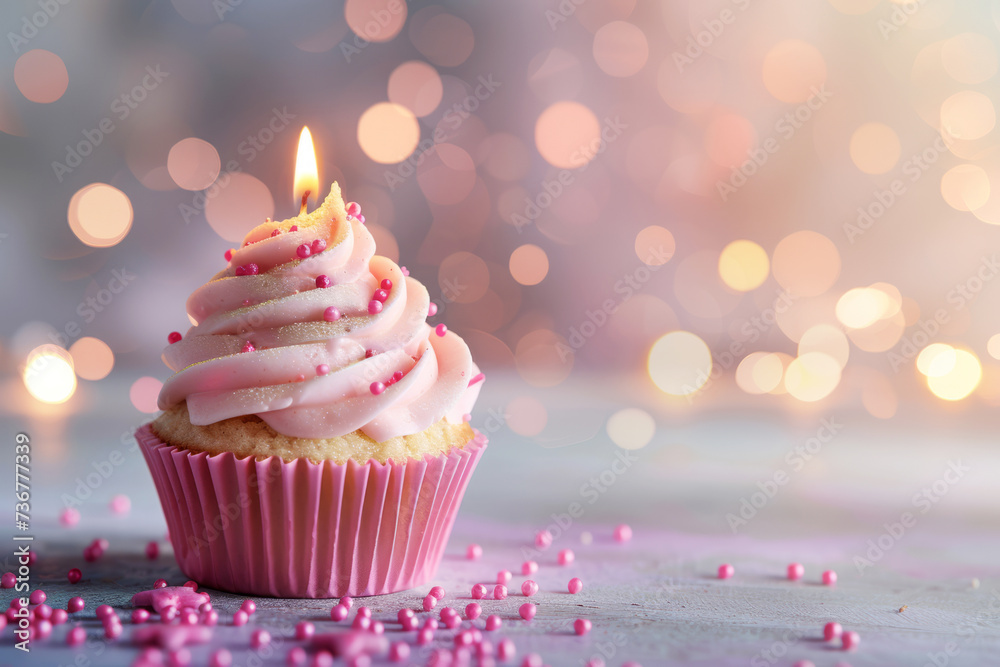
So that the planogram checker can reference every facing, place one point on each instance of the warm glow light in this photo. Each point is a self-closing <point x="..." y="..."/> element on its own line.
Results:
<point x="812" y="376"/>
<point x="875" y="148"/>
<point x="631" y="428"/>
<point x="680" y="363"/>
<point x="49" y="375"/>
<point x="100" y="215"/>
<point x="993" y="346"/>
<point x="743" y="265"/>
<point x="388" y="133"/>
<point x="759" y="372"/>
<point x="793" y="71"/>
<point x="529" y="264"/>
<point x="861" y="307"/>
<point x="306" y="172"/>
<point x="827" y="339"/>
<point x="968" y="115"/>
<point x="937" y="359"/>
<point x="966" y="187"/>
<point x="92" y="358"/>
<point x="960" y="381"/>
<point x="805" y="263"/>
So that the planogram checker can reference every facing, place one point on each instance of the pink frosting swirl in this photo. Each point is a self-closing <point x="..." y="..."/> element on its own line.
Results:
<point x="279" y="311"/>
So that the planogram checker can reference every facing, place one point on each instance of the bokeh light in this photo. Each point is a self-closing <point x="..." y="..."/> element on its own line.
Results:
<point x="968" y="115"/>
<point x="193" y="163"/>
<point x="463" y="277"/>
<point x="416" y="86"/>
<point x="875" y="148"/>
<point x="743" y="265"/>
<point x="143" y="394"/>
<point x="861" y="307"/>
<point x="993" y="346"/>
<point x="388" y="133"/>
<point x="48" y="374"/>
<point x="447" y="175"/>
<point x="793" y="71"/>
<point x="759" y="372"/>
<point x="960" y="381"/>
<point x="965" y="187"/>
<point x="620" y="49"/>
<point x="631" y="428"/>
<point x="568" y="135"/>
<point x="969" y="57"/>
<point x="41" y="76"/>
<point x="526" y="415"/>
<point x="812" y="376"/>
<point x="100" y="215"/>
<point x="442" y="38"/>
<point x="806" y="263"/>
<point x="375" y="20"/>
<point x="680" y="363"/>
<point x="544" y="358"/>
<point x="729" y="137"/>
<point x="827" y="339"/>
<point x="937" y="359"/>
<point x="654" y="245"/>
<point x="235" y="208"/>
<point x="529" y="264"/>
<point x="92" y="358"/>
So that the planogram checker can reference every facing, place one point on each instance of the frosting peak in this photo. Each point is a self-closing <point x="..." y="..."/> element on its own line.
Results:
<point x="309" y="330"/>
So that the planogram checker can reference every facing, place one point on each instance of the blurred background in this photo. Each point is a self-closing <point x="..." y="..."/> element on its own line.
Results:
<point x="645" y="217"/>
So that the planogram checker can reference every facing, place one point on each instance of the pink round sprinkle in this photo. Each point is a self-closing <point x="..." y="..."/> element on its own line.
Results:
<point x="354" y="209"/>
<point x="575" y="585"/>
<point x="850" y="640"/>
<point x="829" y="578"/>
<point x="275" y="232"/>
<point x="430" y="623"/>
<point x="170" y="613"/>
<point x="472" y="611"/>
<point x="361" y="218"/>
<point x="205" y="606"/>
<point x="437" y="592"/>
<point x="347" y="601"/>
<point x="339" y="612"/>
<point x="210" y="617"/>
<point x="478" y="592"/>
<point x="71" y="516"/>
<point x="380" y="295"/>
<point x="493" y="622"/>
<point x="240" y="617"/>
<point x="504" y="576"/>
<point x="260" y="638"/>
<point x="581" y="626"/>
<point x="303" y="250"/>
<point x="293" y="228"/>
<point x="174" y="337"/>
<point x="249" y="606"/>
<point x="374" y="307"/>
<point x="323" y="659"/>
<point x="832" y="630"/>
<point x="410" y="623"/>
<point x="399" y="651"/>
<point x="463" y="639"/>
<point x="75" y="604"/>
<point x="113" y="630"/>
<point x="404" y="613"/>
<point x="331" y="314"/>
<point x="90" y="554"/>
<point x="432" y="309"/>
<point x="140" y="616"/>
<point x="323" y="281"/>
<point x="221" y="658"/>
<point x="527" y="611"/>
<point x="453" y="621"/>
<point x="74" y="576"/>
<point x="189" y="618"/>
<point x="364" y="611"/>
<point x="804" y="663"/>
<point x="499" y="592"/>
<point x="296" y="657"/>
<point x="103" y="611"/>
<point x="446" y="612"/>
<point x="76" y="636"/>
<point x="377" y="388"/>
<point x="322" y="369"/>
<point x="43" y="611"/>
<point x="441" y="329"/>
<point x="369" y="354"/>
<point x="240" y="271"/>
<point x="566" y="556"/>
<point x="59" y="616"/>
<point x="474" y="552"/>
<point x="623" y="533"/>
<point x="152" y="551"/>
<point x="386" y="284"/>
<point x="543" y="539"/>
<point x="425" y="636"/>
<point x="430" y="602"/>
<point x="405" y="271"/>
<point x="726" y="571"/>
<point x="318" y="246"/>
<point x="179" y="658"/>
<point x="248" y="347"/>
<point x="532" y="660"/>
<point x="252" y="269"/>
<point x="378" y="627"/>
<point x="529" y="567"/>
<point x="505" y="649"/>
<point x="796" y="571"/>
<point x="529" y="588"/>
<point x="160" y="583"/>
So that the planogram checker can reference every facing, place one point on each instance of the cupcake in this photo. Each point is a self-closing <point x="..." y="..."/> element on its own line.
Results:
<point x="314" y="439"/>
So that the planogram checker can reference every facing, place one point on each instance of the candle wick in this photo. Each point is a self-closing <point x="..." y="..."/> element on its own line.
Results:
<point x="305" y="196"/>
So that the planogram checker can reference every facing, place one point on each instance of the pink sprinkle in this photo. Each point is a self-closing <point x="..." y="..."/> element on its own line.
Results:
<point x="75" y="604"/>
<point x="532" y="660"/>
<point x="543" y="539"/>
<point x="152" y="551"/>
<point x="252" y="269"/>
<point x="228" y="255"/>
<point x="354" y="209"/>
<point x="463" y="639"/>
<point x="189" y="618"/>
<point x="474" y="552"/>
<point x="430" y="602"/>
<point x="432" y="309"/>
<point x="478" y="592"/>
<point x="296" y="657"/>
<point x="623" y="533"/>
<point x="275" y="232"/>
<point x="43" y="611"/>
<point x="303" y="250"/>
<point x="832" y="630"/>
<point x="318" y="246"/>
<point x="260" y="638"/>
<point x="90" y="554"/>
<point x="170" y="613"/>
<point x="331" y="314"/>
<point x="221" y="658"/>
<point x="410" y="623"/>
<point x="210" y="617"/>
<point x="323" y="281"/>
<point x="829" y="578"/>
<point x="74" y="576"/>
<point x="505" y="649"/>
<point x="504" y="576"/>
<point x="248" y="347"/>
<point x="240" y="617"/>
<point x="850" y="640"/>
<point x="453" y="621"/>
<point x="441" y="329"/>
<point x="566" y="556"/>
<point x="207" y="606"/>
<point x="369" y="354"/>
<point x="405" y="271"/>
<point x="322" y="369"/>
<point x="377" y="388"/>
<point x="347" y="601"/>
<point x="726" y="571"/>
<point x="582" y="626"/>
<point x="364" y="611"/>
<point x="472" y="611"/>
<point x="240" y="271"/>
<point x="399" y="651"/>
<point x="192" y="584"/>
<point x="575" y="585"/>
<point x="493" y="622"/>
<point x="249" y="606"/>
<point x="425" y="636"/>
<point x="795" y="571"/>
<point x="386" y="284"/>
<point x="437" y="592"/>
<point x="174" y="337"/>
<point x="113" y="630"/>
<point x="338" y="613"/>
<point x="293" y="228"/>
<point x="139" y="616"/>
<point x="467" y="418"/>
<point x="361" y="218"/>
<point x="404" y="613"/>
<point x="160" y="583"/>
<point x="529" y="567"/>
<point x="431" y="623"/>
<point x="378" y="627"/>
<point x="396" y="377"/>
<point x="595" y="662"/>
<point x="59" y="616"/>
<point x="499" y="592"/>
<point x="104" y="611"/>
<point x="71" y="516"/>
<point x="374" y="307"/>
<point x="529" y="588"/>
<point x="76" y="636"/>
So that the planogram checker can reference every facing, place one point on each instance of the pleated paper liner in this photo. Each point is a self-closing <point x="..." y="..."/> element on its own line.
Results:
<point x="308" y="530"/>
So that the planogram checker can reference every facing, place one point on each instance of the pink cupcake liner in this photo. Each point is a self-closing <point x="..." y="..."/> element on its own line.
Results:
<point x="308" y="530"/>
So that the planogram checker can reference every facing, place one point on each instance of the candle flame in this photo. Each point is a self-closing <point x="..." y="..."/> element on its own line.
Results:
<point x="306" y="184"/>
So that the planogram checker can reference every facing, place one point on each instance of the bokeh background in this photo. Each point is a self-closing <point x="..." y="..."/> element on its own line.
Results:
<point x="639" y="214"/>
